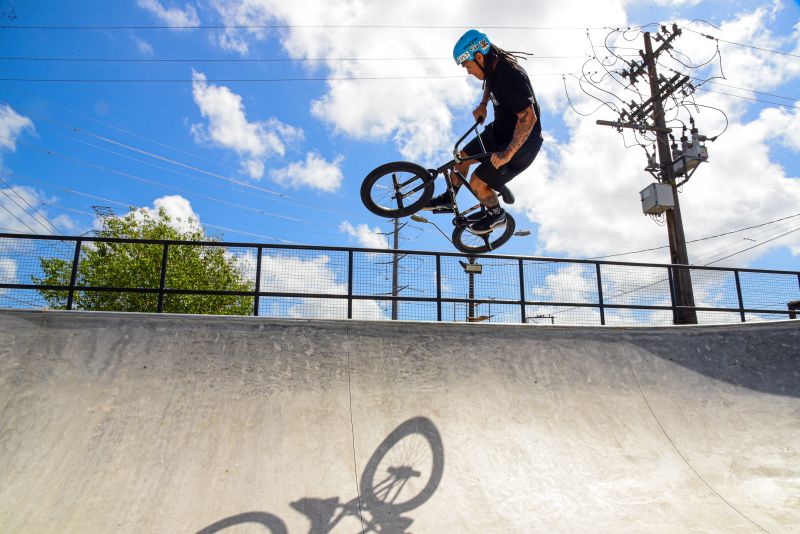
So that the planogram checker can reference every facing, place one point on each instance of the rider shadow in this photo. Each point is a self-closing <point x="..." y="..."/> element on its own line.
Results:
<point x="402" y="474"/>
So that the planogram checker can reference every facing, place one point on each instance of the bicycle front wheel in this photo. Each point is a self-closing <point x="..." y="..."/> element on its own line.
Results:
<point x="470" y="243"/>
<point x="397" y="189"/>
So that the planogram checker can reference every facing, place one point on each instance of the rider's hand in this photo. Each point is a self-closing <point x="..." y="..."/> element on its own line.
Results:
<point x="479" y="113"/>
<point x="501" y="158"/>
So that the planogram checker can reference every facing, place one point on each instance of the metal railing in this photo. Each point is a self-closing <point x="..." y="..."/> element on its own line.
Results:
<point x="374" y="284"/>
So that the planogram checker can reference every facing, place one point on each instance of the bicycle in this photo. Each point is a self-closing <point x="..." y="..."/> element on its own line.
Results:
<point x="402" y="188"/>
<point x="400" y="475"/>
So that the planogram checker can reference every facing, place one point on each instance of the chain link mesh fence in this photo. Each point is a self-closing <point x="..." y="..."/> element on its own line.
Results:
<point x="285" y="281"/>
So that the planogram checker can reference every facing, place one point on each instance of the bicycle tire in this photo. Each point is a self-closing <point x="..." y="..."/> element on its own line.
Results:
<point x="471" y="244"/>
<point x="416" y="428"/>
<point x="379" y="199"/>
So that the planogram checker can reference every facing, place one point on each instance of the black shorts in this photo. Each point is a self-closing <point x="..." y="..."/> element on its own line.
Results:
<point x="496" y="178"/>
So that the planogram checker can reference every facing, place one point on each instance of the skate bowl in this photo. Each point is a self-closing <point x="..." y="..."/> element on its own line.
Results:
<point x="133" y="423"/>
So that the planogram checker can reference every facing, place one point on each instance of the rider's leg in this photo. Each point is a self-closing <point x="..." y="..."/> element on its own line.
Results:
<point x="443" y="201"/>
<point x="495" y="215"/>
<point x="485" y="194"/>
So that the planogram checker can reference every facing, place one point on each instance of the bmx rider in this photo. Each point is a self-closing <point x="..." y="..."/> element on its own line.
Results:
<point x="515" y="135"/>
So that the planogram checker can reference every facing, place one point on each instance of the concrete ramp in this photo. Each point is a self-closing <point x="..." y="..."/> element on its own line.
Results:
<point x="137" y="423"/>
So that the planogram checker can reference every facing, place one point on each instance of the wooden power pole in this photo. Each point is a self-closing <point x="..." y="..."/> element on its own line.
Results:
<point x="649" y="116"/>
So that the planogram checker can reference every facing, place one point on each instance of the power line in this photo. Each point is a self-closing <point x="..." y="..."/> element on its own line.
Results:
<point x="50" y="227"/>
<point x="289" y="26"/>
<point x="129" y="205"/>
<point x="753" y="47"/>
<point x="249" y="80"/>
<point x="699" y="239"/>
<point x="281" y="197"/>
<point x="790" y="106"/>
<point x="49" y="152"/>
<point x="754" y="246"/>
<point x="245" y="60"/>
<point x="2" y="205"/>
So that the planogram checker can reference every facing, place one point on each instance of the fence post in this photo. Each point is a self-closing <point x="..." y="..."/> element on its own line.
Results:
<point x="739" y="295"/>
<point x="439" y="289"/>
<point x="600" y="295"/>
<point x="74" y="275"/>
<point x="522" y="313"/>
<point x="258" y="281"/>
<point x="350" y="284"/>
<point x="163" y="278"/>
<point x="672" y="295"/>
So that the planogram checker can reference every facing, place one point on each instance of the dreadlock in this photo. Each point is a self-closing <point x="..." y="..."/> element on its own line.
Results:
<point x="494" y="55"/>
<point x="511" y="57"/>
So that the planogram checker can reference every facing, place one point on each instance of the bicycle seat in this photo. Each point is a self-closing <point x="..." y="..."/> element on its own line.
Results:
<point x="508" y="196"/>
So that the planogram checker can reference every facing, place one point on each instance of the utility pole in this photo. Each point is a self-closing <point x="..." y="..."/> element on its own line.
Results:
<point x="396" y="257"/>
<point x="649" y="116"/>
<point x="395" y="260"/>
<point x="682" y="280"/>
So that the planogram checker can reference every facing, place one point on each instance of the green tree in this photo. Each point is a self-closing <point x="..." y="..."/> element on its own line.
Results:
<point x="136" y="265"/>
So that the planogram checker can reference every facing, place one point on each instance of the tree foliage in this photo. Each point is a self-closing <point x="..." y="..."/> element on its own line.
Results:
<point x="137" y="265"/>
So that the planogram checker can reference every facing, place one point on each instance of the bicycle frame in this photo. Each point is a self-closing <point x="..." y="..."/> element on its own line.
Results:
<point x="460" y="216"/>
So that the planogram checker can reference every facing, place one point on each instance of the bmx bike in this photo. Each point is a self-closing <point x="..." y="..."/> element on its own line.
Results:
<point x="402" y="188"/>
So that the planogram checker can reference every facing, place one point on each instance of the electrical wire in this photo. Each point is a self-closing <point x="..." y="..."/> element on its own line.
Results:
<point x="128" y="205"/>
<point x="752" y="47"/>
<point x="38" y="217"/>
<point x="2" y="205"/>
<point x="62" y="59"/>
<point x="248" y="80"/>
<point x="50" y="152"/>
<point x="706" y="238"/>
<point x="287" y="26"/>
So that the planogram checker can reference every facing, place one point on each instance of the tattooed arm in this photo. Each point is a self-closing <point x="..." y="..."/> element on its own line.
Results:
<point x="526" y="120"/>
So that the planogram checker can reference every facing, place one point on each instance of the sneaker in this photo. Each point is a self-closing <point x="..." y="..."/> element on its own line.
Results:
<point x="442" y="202"/>
<point x="493" y="219"/>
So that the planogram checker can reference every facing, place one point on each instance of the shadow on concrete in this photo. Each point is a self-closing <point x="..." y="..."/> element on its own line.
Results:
<point x="402" y="474"/>
<point x="272" y="523"/>
<point x="764" y="358"/>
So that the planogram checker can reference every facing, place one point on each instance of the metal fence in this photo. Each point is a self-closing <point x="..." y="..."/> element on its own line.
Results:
<point x="92" y="273"/>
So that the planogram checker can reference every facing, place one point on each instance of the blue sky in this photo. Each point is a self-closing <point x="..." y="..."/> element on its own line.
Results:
<point x="281" y="159"/>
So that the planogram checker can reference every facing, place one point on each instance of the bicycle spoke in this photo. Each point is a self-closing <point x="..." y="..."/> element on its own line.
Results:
<point x="398" y="194"/>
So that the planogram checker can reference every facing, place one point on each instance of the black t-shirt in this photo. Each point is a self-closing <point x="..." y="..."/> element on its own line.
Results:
<point x="511" y="92"/>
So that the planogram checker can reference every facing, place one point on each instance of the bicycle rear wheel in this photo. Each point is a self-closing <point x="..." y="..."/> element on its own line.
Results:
<point x="397" y="189"/>
<point x="469" y="243"/>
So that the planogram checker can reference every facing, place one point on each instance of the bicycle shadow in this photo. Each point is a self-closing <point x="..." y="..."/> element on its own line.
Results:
<point x="402" y="474"/>
<point x="273" y="523"/>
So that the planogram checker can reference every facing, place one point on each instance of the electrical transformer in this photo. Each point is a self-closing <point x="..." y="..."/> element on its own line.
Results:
<point x="657" y="198"/>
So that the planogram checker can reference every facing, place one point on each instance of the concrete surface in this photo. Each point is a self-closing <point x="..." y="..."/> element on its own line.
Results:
<point x="168" y="424"/>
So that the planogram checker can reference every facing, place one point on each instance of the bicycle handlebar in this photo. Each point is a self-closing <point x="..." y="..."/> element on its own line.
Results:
<point x="482" y="155"/>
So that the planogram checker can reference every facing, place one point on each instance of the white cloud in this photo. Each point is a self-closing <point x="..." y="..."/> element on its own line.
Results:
<point x="22" y="211"/>
<point x="172" y="16"/>
<point x="416" y="114"/>
<point x="583" y="191"/>
<point x="365" y="236"/>
<point x="144" y="48"/>
<point x="284" y="272"/>
<point x="315" y="172"/>
<point x="783" y="125"/>
<point x="180" y="211"/>
<point x="228" y="126"/>
<point x="676" y="3"/>
<point x="8" y="272"/>
<point x="11" y="125"/>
